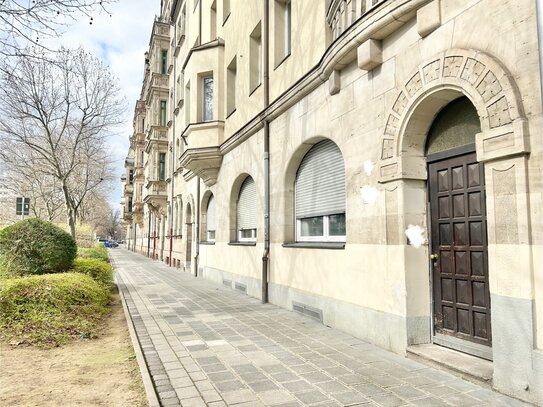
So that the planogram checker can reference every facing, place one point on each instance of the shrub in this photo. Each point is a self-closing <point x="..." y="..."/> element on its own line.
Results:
<point x="98" y="270"/>
<point x="97" y="252"/>
<point x="34" y="246"/>
<point x="50" y="309"/>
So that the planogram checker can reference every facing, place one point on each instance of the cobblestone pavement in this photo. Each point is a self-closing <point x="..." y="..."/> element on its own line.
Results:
<point x="205" y="344"/>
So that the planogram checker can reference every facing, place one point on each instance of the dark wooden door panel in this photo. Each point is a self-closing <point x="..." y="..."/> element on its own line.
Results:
<point x="459" y="238"/>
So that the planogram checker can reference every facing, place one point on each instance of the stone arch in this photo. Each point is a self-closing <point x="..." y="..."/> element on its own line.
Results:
<point x="438" y="81"/>
<point x="289" y="182"/>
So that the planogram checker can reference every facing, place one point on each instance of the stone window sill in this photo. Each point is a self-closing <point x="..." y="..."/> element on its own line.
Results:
<point x="315" y="245"/>
<point x="242" y="244"/>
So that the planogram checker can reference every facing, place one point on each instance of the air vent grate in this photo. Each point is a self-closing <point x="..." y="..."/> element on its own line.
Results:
<point x="241" y="287"/>
<point x="312" y="312"/>
<point x="227" y="283"/>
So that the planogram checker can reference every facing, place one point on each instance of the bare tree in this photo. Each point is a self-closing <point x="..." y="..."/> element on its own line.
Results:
<point x="58" y="118"/>
<point x="108" y="223"/>
<point x="26" y="23"/>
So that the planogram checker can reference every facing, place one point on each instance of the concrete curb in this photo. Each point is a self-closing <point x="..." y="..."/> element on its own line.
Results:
<point x="152" y="397"/>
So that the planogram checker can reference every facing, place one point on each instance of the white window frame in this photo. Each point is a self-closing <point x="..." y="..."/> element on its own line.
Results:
<point x="325" y="238"/>
<point x="287" y="28"/>
<point x="204" y="79"/>
<point x="210" y="233"/>
<point x="326" y="231"/>
<point x="246" y="239"/>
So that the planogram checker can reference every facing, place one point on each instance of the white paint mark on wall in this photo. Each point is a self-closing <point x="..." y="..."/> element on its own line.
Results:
<point x="369" y="194"/>
<point x="415" y="235"/>
<point x="368" y="167"/>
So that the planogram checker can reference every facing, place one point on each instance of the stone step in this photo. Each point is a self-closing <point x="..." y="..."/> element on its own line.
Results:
<point x="468" y="367"/>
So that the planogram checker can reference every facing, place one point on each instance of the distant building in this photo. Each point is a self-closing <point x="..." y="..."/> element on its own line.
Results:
<point x="375" y="164"/>
<point x="8" y="200"/>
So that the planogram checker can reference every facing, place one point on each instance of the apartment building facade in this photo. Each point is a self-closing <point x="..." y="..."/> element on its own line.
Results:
<point x="375" y="164"/>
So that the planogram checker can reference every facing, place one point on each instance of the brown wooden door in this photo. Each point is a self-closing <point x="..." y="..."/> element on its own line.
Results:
<point x="459" y="239"/>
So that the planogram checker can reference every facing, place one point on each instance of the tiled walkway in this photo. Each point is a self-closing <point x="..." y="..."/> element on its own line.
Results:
<point x="208" y="345"/>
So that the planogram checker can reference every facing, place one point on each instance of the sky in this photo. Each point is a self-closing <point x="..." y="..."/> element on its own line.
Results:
<point x="120" y="41"/>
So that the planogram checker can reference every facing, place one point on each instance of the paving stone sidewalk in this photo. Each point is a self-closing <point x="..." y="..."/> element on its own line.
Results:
<point x="207" y="345"/>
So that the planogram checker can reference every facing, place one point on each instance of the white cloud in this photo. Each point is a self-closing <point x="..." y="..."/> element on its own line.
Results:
<point x="121" y="41"/>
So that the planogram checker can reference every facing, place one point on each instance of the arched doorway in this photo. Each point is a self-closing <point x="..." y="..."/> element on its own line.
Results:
<point x="458" y="231"/>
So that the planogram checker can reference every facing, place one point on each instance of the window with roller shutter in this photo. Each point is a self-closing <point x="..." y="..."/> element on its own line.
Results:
<point x="246" y="211"/>
<point x="320" y="195"/>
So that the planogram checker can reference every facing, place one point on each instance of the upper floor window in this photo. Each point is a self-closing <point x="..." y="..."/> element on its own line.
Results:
<point x="283" y="29"/>
<point x="225" y="10"/>
<point x="207" y="111"/>
<point x="320" y="195"/>
<point x="163" y="113"/>
<point x="131" y="176"/>
<point x="22" y="206"/>
<point x="213" y="21"/>
<point x="231" y="78"/>
<point x="246" y="211"/>
<point x="129" y="204"/>
<point x="164" y="61"/>
<point x="162" y="167"/>
<point x="211" y="219"/>
<point x="187" y="103"/>
<point x="255" y="58"/>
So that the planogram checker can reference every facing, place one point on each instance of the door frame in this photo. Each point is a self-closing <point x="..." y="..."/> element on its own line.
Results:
<point x="449" y="341"/>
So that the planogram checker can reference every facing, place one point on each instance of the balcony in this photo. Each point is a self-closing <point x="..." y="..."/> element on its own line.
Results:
<point x="157" y="136"/>
<point x="128" y="190"/>
<point x="127" y="216"/>
<point x="156" y="195"/>
<point x="204" y="134"/>
<point x="139" y="139"/>
<point x="156" y="84"/>
<point x="137" y="207"/>
<point x="202" y="156"/>
<point x="137" y="213"/>
<point x="139" y="174"/>
<point x="343" y="13"/>
<point x="202" y="162"/>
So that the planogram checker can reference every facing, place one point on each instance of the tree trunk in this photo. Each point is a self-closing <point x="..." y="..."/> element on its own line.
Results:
<point x="70" y="212"/>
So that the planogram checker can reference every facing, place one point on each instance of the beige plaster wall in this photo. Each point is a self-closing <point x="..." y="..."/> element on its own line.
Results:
<point x="354" y="119"/>
<point x="310" y="38"/>
<point x="377" y="270"/>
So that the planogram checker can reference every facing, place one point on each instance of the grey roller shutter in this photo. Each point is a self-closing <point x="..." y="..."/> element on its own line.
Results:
<point x="211" y="217"/>
<point x="320" y="182"/>
<point x="247" y="205"/>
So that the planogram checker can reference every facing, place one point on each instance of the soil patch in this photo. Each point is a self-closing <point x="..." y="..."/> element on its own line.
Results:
<point x="97" y="372"/>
